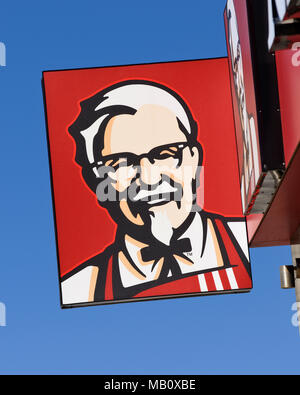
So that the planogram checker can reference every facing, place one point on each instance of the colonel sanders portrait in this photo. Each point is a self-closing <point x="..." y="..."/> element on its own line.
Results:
<point x="137" y="148"/>
<point x="250" y="164"/>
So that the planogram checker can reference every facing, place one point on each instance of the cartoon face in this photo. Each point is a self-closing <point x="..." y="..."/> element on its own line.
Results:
<point x="151" y="165"/>
<point x="146" y="157"/>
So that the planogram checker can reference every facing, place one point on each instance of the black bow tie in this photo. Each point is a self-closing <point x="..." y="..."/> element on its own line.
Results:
<point x="159" y="250"/>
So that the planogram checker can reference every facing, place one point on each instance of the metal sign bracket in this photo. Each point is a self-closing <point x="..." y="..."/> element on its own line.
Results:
<point x="290" y="276"/>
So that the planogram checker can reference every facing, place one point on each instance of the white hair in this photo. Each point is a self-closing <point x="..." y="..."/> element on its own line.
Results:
<point x="134" y="95"/>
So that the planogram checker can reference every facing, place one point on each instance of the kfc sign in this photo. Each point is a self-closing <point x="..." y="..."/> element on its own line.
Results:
<point x="255" y="103"/>
<point x="145" y="182"/>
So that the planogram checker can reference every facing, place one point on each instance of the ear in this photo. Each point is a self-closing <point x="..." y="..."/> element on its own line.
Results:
<point x="195" y="152"/>
<point x="195" y="160"/>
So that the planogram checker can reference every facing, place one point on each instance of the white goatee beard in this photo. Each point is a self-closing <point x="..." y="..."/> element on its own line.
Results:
<point x="161" y="227"/>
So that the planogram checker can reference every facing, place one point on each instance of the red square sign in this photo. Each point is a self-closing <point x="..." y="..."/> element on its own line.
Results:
<point x="145" y="182"/>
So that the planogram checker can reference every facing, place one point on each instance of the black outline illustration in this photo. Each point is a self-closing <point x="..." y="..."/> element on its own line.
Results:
<point x="156" y="249"/>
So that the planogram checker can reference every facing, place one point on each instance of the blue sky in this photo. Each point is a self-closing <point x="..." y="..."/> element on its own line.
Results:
<point x="244" y="334"/>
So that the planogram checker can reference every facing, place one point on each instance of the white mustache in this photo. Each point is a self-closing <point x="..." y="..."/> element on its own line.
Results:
<point x="164" y="187"/>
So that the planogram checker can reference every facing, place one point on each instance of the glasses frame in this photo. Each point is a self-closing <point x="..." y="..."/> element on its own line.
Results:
<point x="136" y="159"/>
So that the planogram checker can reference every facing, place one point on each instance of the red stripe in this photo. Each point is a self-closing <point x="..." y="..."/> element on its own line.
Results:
<point x="108" y="286"/>
<point x="210" y="282"/>
<point x="242" y="277"/>
<point x="224" y="279"/>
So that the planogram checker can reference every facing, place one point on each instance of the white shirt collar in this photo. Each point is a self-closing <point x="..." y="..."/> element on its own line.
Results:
<point x="145" y="272"/>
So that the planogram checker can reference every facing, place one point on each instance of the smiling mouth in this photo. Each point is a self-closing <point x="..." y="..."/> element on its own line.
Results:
<point x="161" y="192"/>
<point x="158" y="201"/>
<point x="151" y="201"/>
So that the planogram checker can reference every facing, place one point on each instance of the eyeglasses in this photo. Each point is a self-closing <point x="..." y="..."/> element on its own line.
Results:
<point x="156" y="156"/>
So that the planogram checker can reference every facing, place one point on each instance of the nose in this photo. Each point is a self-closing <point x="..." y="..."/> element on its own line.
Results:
<point x="149" y="174"/>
